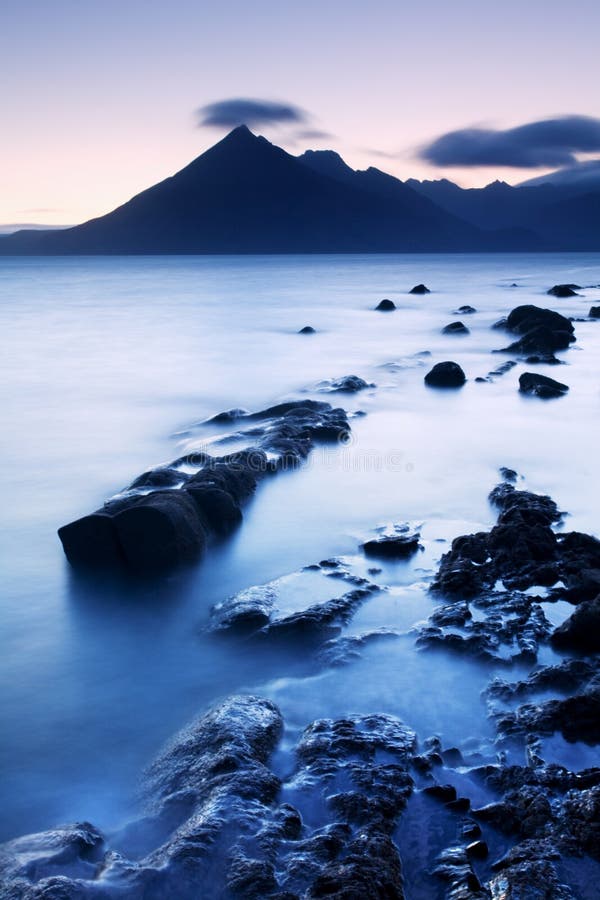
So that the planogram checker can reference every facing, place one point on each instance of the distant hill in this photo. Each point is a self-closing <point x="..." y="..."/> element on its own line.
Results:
<point x="563" y="213"/>
<point x="245" y="195"/>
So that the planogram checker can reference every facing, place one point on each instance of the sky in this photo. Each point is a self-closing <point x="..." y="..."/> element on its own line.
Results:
<point x="99" y="100"/>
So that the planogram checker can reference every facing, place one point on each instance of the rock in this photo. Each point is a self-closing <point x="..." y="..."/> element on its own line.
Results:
<point x="541" y="386"/>
<point x="308" y="329"/>
<point x="446" y="793"/>
<point x="455" y="328"/>
<point x="386" y="305"/>
<point x="508" y="474"/>
<point x="477" y="850"/>
<point x="465" y="310"/>
<point x="245" y="612"/>
<point x="594" y="312"/>
<point x="393" y="546"/>
<point x="350" y="384"/>
<point x="564" y="290"/>
<point x="147" y="533"/>
<point x="581" y="631"/>
<point x="445" y="375"/>
<point x="540" y="331"/>
<point x="419" y="289"/>
<point x="318" y="623"/>
<point x="161" y="531"/>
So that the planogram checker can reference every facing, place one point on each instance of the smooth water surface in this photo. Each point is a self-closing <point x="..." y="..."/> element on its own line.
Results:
<point x="108" y="363"/>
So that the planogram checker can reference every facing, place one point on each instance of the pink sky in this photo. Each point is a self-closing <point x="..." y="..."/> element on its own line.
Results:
<point x="99" y="98"/>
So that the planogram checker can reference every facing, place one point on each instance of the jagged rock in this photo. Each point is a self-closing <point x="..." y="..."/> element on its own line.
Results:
<point x="564" y="290"/>
<point x="386" y="305"/>
<point x="581" y="631"/>
<point x="318" y="623"/>
<point x="455" y="328"/>
<point x="446" y="375"/>
<point x="419" y="289"/>
<point x="541" y="386"/>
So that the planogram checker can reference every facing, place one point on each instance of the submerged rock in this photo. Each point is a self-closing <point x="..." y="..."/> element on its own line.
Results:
<point x="386" y="305"/>
<point x="564" y="290"/>
<point x="145" y="533"/>
<point x="594" y="312"/>
<point x="465" y="310"/>
<point x="541" y="386"/>
<point x="446" y="375"/>
<point x="308" y="329"/>
<point x="455" y="328"/>
<point x="419" y="289"/>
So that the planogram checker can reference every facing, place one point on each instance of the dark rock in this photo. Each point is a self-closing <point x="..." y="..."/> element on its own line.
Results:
<point x="156" y="531"/>
<point x="541" y="331"/>
<point x="564" y="290"/>
<point x="581" y="631"/>
<point x="446" y="793"/>
<point x="318" y="623"/>
<point x="446" y="375"/>
<point x="308" y="329"/>
<point x="594" y="312"/>
<point x="419" y="289"/>
<point x="163" y="477"/>
<point x="245" y="612"/>
<point x="161" y="531"/>
<point x="455" y="328"/>
<point x="453" y="757"/>
<point x="460" y="805"/>
<point x="465" y="310"/>
<point x="392" y="546"/>
<point x="541" y="386"/>
<point x="508" y="474"/>
<point x="477" y="850"/>
<point x="386" y="305"/>
<point x="350" y="384"/>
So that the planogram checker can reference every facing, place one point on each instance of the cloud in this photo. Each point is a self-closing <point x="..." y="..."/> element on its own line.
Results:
<point x="547" y="143"/>
<point x="248" y="111"/>
<point x="314" y="134"/>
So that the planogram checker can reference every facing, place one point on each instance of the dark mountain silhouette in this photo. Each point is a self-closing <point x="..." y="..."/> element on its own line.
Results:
<point x="245" y="195"/>
<point x="563" y="213"/>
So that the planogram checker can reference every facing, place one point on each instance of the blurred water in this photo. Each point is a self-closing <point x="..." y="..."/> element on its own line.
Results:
<point x="107" y="362"/>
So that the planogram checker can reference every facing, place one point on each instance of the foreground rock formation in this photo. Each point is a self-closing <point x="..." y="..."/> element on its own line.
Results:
<point x="168" y="515"/>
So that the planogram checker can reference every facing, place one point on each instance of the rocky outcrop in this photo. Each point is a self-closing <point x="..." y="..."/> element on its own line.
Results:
<point x="386" y="305"/>
<point x="541" y="386"/>
<point x="398" y="545"/>
<point x="167" y="517"/>
<point x="419" y="289"/>
<point x="540" y="332"/>
<point x="446" y="375"/>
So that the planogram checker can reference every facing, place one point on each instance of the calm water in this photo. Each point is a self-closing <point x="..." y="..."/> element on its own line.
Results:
<point x="106" y="366"/>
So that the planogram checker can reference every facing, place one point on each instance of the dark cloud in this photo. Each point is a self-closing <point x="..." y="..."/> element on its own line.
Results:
<point x="583" y="175"/>
<point x="314" y="134"/>
<point x="548" y="143"/>
<point x="251" y="112"/>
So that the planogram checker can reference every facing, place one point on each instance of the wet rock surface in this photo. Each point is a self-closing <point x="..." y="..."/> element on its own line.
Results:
<point x="540" y="333"/>
<point x="167" y="516"/>
<point x="503" y="819"/>
<point x="446" y="375"/>
<point x="541" y="386"/>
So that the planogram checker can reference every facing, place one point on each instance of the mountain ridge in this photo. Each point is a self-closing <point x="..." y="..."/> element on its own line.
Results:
<point x="246" y="195"/>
